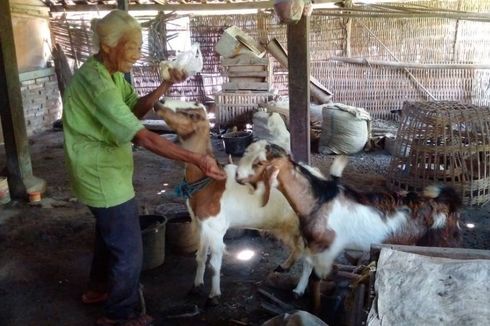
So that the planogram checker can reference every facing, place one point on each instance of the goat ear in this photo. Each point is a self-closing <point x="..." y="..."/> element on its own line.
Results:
<point x="270" y="181"/>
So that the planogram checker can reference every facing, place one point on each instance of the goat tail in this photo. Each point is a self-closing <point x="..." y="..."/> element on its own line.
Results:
<point x="444" y="195"/>
<point x="338" y="166"/>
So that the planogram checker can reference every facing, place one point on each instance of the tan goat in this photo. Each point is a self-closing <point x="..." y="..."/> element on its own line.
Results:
<point x="215" y="206"/>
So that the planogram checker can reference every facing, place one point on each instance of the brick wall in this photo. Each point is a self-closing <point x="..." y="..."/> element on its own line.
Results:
<point x="41" y="99"/>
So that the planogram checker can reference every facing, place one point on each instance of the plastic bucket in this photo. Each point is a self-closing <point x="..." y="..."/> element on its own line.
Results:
<point x="153" y="229"/>
<point x="236" y="142"/>
<point x="4" y="191"/>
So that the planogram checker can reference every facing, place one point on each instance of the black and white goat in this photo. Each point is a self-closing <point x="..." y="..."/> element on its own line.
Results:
<point x="334" y="217"/>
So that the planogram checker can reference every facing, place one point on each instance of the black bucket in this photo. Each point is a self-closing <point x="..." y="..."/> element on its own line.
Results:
<point x="153" y="234"/>
<point x="236" y="142"/>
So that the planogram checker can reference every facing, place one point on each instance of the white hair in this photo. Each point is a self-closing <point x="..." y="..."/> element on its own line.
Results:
<point x="112" y="27"/>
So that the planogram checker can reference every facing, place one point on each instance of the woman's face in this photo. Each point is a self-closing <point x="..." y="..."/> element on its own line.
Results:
<point x="124" y="55"/>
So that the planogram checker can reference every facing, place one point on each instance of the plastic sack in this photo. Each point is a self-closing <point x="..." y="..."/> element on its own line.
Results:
<point x="289" y="11"/>
<point x="345" y="129"/>
<point x="190" y="62"/>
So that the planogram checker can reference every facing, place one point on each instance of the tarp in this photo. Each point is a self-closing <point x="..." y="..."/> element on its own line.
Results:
<point x="412" y="289"/>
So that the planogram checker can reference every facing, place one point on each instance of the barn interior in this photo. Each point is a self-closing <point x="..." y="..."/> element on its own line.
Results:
<point x="400" y="87"/>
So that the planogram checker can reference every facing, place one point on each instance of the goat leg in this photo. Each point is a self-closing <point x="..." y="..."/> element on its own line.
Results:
<point x="315" y="293"/>
<point x="303" y="280"/>
<point x="197" y="290"/>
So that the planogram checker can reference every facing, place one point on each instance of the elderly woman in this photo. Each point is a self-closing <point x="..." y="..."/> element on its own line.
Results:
<point x="100" y="120"/>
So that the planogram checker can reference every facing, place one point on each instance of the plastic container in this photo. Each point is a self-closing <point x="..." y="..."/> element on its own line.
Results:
<point x="4" y="191"/>
<point x="34" y="196"/>
<point x="236" y="142"/>
<point x="153" y="229"/>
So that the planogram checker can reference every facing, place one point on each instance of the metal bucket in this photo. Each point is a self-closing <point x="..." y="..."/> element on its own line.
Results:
<point x="182" y="236"/>
<point x="153" y="233"/>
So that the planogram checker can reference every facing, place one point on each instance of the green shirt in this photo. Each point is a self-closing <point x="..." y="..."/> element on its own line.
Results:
<point x="98" y="127"/>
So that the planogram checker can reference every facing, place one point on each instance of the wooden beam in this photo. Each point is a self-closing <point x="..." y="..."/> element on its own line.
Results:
<point x="299" y="88"/>
<point x="179" y="7"/>
<point x="19" y="166"/>
<point x="403" y="65"/>
<point x="36" y="74"/>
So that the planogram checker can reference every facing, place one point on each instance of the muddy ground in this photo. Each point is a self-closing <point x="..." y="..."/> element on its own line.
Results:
<point x="46" y="248"/>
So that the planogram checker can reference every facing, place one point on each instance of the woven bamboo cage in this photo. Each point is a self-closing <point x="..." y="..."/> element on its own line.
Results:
<point x="236" y="109"/>
<point x="443" y="143"/>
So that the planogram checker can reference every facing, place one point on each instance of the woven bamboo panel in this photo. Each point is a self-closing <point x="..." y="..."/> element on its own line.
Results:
<point x="238" y="108"/>
<point x="380" y="90"/>
<point x="147" y="78"/>
<point x="443" y="143"/>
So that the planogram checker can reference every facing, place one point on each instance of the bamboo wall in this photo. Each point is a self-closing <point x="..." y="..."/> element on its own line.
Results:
<point x="376" y="88"/>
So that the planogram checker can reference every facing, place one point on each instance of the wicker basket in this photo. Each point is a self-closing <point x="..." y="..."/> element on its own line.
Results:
<point x="443" y="143"/>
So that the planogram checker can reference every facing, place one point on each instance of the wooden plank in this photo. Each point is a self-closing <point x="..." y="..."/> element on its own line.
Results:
<point x="299" y="88"/>
<point x="283" y="305"/>
<point x="453" y="253"/>
<point x="259" y="86"/>
<point x="247" y="73"/>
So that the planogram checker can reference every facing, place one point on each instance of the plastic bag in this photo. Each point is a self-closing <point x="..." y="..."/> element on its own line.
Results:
<point x="190" y="62"/>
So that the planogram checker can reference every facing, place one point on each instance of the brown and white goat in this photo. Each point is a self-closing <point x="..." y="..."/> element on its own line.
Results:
<point x="334" y="217"/>
<point x="224" y="204"/>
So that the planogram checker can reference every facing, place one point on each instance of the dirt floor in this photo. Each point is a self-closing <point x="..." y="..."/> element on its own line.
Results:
<point x="46" y="248"/>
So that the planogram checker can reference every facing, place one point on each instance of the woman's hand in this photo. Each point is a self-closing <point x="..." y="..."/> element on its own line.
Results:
<point x="208" y="165"/>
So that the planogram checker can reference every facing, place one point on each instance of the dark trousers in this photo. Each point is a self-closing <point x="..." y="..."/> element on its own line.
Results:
<point x="118" y="257"/>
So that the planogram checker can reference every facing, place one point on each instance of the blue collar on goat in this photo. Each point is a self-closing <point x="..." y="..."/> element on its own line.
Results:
<point x="186" y="190"/>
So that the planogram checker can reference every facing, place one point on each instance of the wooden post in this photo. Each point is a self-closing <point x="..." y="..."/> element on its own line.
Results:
<point x="299" y="88"/>
<point x="456" y="36"/>
<point x="19" y="166"/>
<point x="124" y="5"/>
<point x="348" y="30"/>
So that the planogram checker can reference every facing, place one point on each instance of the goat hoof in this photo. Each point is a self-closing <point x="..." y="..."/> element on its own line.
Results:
<point x="280" y="269"/>
<point x="296" y="296"/>
<point x="197" y="290"/>
<point x="212" y="302"/>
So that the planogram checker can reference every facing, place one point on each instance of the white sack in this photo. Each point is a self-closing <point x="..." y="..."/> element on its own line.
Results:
<point x="345" y="129"/>
<point x="419" y="290"/>
<point x="297" y="318"/>
<point x="271" y="127"/>
<point x="281" y="106"/>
